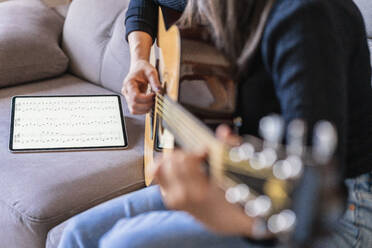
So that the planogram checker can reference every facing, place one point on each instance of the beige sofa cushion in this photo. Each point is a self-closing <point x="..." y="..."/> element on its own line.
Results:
<point x="365" y="7"/>
<point x="370" y="48"/>
<point x="55" y="235"/>
<point x="41" y="190"/>
<point x="94" y="40"/>
<point x="29" y="37"/>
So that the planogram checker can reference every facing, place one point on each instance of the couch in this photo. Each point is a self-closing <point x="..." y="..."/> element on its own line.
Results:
<point x="365" y="7"/>
<point x="40" y="192"/>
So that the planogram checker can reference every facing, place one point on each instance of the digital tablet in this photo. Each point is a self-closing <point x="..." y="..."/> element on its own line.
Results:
<point x="60" y="123"/>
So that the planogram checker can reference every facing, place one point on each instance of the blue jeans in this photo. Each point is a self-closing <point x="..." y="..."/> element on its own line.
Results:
<point x="140" y="219"/>
<point x="355" y="228"/>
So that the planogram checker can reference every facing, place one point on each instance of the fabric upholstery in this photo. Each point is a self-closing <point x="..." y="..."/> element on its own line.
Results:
<point x="365" y="7"/>
<point x="29" y="42"/>
<point x="94" y="40"/>
<point x="54" y="235"/>
<point x="41" y="190"/>
<point x="62" y="10"/>
<point x="370" y="48"/>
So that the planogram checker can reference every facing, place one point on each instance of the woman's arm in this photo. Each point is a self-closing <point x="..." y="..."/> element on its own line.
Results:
<point x="303" y="50"/>
<point x="141" y="73"/>
<point x="142" y="15"/>
<point x="141" y="27"/>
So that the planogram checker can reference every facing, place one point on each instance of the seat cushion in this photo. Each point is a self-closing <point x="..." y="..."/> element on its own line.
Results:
<point x="55" y="235"/>
<point x="370" y="48"/>
<point x="29" y="42"/>
<point x="94" y="40"/>
<point x="62" y="10"/>
<point x="365" y="7"/>
<point x="41" y="190"/>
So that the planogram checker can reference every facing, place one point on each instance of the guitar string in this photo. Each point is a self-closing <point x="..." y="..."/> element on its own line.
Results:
<point x="205" y="133"/>
<point x="231" y="168"/>
<point x="171" y="115"/>
<point x="182" y="115"/>
<point x="169" y="120"/>
<point x="189" y="126"/>
<point x="228" y="179"/>
<point x="226" y="158"/>
<point x="180" y="128"/>
<point x="173" y="118"/>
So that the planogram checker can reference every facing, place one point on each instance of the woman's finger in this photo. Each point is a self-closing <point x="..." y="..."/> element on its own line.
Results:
<point x="140" y="108"/>
<point x="158" y="171"/>
<point x="225" y="134"/>
<point x="138" y="102"/>
<point x="153" y="79"/>
<point x="223" y="131"/>
<point x="133" y="93"/>
<point x="141" y="98"/>
<point x="164" y="174"/>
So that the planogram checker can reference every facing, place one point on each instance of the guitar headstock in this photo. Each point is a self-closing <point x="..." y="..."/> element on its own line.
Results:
<point x="264" y="175"/>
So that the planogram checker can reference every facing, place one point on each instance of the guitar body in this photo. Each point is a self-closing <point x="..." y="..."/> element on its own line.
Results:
<point x="168" y="66"/>
<point x="193" y="72"/>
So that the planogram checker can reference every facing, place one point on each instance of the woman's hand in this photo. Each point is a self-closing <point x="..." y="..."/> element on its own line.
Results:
<point x="141" y="74"/>
<point x="186" y="187"/>
<point x="182" y="179"/>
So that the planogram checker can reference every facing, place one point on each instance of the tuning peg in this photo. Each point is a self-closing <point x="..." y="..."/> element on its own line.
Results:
<point x="290" y="168"/>
<point x="259" y="206"/>
<point x="271" y="129"/>
<point x="325" y="142"/>
<point x="282" y="222"/>
<point x="234" y="155"/>
<point x="296" y="136"/>
<point x="264" y="159"/>
<point x="246" y="151"/>
<point x="238" y="193"/>
<point x="243" y="152"/>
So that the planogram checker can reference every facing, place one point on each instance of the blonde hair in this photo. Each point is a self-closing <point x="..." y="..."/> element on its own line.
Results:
<point x="236" y="25"/>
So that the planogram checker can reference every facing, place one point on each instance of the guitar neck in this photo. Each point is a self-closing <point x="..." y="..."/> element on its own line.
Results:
<point x="189" y="132"/>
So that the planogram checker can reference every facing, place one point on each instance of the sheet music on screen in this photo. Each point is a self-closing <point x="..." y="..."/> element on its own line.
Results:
<point x="67" y="122"/>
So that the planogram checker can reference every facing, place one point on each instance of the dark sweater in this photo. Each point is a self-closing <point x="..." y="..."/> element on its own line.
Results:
<point x="313" y="63"/>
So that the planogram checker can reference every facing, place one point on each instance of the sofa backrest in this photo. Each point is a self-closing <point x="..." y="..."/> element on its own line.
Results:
<point x="365" y="7"/>
<point x="94" y="40"/>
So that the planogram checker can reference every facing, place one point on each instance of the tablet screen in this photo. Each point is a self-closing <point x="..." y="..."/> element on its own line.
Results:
<point x="67" y="122"/>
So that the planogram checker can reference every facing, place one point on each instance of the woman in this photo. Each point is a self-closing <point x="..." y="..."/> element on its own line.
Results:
<point x="311" y="61"/>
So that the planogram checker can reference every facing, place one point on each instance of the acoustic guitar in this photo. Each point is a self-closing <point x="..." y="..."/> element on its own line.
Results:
<point x="290" y="188"/>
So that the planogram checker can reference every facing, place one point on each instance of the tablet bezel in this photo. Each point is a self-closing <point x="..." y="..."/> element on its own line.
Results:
<point x="59" y="149"/>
